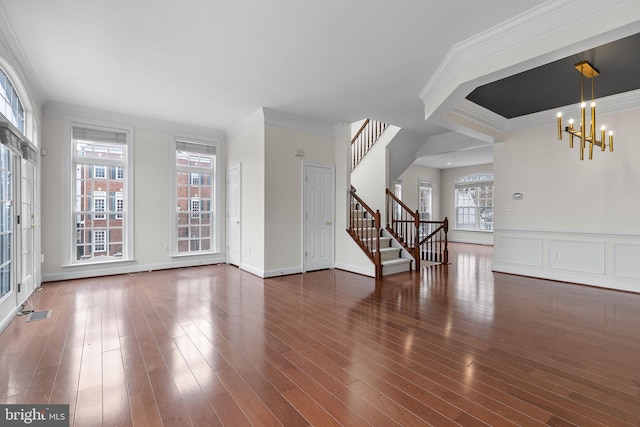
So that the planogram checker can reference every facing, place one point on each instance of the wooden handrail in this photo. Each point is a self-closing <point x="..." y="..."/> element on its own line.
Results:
<point x="364" y="139"/>
<point x="364" y="125"/>
<point x="365" y="230"/>
<point x="405" y="226"/>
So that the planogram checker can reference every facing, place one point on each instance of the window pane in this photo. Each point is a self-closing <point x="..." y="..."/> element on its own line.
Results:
<point x="99" y="193"/>
<point x="474" y="202"/>
<point x="194" y="174"/>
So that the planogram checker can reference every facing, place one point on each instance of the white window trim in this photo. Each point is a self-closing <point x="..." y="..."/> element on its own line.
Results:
<point x="471" y="184"/>
<point x="69" y="227"/>
<point x="216" y="213"/>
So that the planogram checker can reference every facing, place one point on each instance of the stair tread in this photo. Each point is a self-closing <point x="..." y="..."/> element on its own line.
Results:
<point x="396" y="261"/>
<point x="388" y="249"/>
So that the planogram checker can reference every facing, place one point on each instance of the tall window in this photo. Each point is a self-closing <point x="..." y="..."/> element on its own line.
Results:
<point x="99" y="188"/>
<point x="10" y="104"/>
<point x="474" y="202"/>
<point x="424" y="203"/>
<point x="195" y="164"/>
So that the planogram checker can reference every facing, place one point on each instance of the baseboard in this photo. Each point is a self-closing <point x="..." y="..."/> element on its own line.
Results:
<point x="112" y="269"/>
<point x="7" y="320"/>
<point x="251" y="269"/>
<point x="607" y="282"/>
<point x="282" y="272"/>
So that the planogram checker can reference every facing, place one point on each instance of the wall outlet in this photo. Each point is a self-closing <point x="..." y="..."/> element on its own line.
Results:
<point x="166" y="247"/>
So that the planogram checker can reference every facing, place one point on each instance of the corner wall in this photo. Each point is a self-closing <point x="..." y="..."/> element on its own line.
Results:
<point x="577" y="220"/>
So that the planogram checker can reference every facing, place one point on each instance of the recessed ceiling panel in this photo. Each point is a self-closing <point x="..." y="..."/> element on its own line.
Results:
<point x="557" y="84"/>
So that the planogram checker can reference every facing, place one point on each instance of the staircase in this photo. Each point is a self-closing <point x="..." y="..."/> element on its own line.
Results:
<point x="406" y="242"/>
<point x="383" y="250"/>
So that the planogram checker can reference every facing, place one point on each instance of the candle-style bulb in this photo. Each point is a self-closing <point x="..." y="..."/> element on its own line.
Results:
<point x="610" y="140"/>
<point x="559" y="116"/>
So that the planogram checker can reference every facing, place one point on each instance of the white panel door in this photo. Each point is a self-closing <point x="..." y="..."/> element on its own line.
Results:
<point x="27" y="219"/>
<point x="234" y="213"/>
<point x="318" y="217"/>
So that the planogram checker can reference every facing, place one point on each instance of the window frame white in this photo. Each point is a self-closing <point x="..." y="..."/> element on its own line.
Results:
<point x="214" y="213"/>
<point x="478" y="182"/>
<point x="127" y="186"/>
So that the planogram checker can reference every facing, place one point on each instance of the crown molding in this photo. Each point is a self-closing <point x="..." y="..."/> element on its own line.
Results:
<point x="508" y="35"/>
<point x="61" y="111"/>
<point x="605" y="105"/>
<point x="278" y="118"/>
<point x="448" y="142"/>
<point x="538" y="36"/>
<point x="469" y="112"/>
<point x="247" y="124"/>
<point x="10" y="46"/>
<point x="271" y="117"/>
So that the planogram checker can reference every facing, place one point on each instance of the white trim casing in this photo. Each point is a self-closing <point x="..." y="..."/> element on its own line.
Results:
<point x="128" y="225"/>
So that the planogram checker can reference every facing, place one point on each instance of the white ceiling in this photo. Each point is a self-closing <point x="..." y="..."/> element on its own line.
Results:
<point x="212" y="63"/>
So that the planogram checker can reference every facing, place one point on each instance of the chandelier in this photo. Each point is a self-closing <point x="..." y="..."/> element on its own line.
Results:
<point x="586" y="70"/>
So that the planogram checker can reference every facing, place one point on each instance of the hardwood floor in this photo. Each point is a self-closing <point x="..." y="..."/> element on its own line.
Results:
<point x="212" y="346"/>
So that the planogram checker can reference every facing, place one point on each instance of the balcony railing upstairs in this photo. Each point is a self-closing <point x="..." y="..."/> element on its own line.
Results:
<point x="424" y="240"/>
<point x="364" y="228"/>
<point x="364" y="139"/>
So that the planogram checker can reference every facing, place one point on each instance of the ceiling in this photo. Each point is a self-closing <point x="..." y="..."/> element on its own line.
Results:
<point x="211" y="63"/>
<point x="557" y="84"/>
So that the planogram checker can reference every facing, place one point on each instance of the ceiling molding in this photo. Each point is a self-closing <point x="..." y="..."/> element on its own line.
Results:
<point x="61" y="111"/>
<point x="533" y="38"/>
<point x="448" y="142"/>
<point x="606" y="105"/>
<point x="268" y="116"/>
<point x="505" y="36"/>
<point x="250" y="122"/>
<point x="10" y="46"/>
<point x="278" y="118"/>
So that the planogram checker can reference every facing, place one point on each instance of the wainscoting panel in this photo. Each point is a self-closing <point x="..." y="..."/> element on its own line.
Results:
<point x="579" y="256"/>
<point x="626" y="260"/>
<point x="519" y="250"/>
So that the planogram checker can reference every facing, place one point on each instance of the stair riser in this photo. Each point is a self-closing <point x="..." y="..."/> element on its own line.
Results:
<point x="393" y="269"/>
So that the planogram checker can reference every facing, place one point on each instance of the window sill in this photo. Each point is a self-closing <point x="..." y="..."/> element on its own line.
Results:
<point x="195" y="255"/>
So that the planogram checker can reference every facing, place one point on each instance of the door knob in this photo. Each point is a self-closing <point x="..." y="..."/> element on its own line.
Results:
<point x="328" y="223"/>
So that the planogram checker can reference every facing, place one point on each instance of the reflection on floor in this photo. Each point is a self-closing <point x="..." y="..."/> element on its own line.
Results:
<point x="214" y="345"/>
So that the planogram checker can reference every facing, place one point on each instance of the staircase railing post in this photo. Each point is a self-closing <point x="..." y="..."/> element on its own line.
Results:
<point x="446" y="243"/>
<point x="416" y="239"/>
<point x="378" y="256"/>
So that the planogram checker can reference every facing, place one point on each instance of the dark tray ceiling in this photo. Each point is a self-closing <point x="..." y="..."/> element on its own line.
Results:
<point x="557" y="84"/>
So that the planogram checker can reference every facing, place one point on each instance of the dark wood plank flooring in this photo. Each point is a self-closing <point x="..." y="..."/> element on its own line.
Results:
<point x="215" y="346"/>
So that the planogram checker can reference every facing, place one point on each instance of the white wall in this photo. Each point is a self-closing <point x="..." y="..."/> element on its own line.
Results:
<point x="284" y="192"/>
<point x="370" y="177"/>
<point x="347" y="253"/>
<point x="152" y="193"/>
<point x="577" y="220"/>
<point x="410" y="180"/>
<point x="248" y="149"/>
<point x="449" y="177"/>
